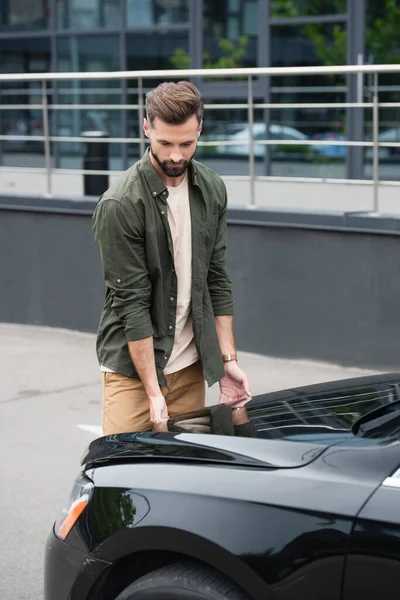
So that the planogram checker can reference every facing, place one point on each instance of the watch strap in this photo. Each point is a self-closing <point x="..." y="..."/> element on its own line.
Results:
<point x="228" y="357"/>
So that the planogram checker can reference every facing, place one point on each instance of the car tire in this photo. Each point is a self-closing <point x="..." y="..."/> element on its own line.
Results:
<point x="183" y="581"/>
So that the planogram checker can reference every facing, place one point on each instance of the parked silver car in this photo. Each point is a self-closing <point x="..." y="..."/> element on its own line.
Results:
<point x="239" y="132"/>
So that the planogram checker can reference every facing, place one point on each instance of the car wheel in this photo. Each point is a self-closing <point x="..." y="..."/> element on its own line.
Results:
<point x="183" y="581"/>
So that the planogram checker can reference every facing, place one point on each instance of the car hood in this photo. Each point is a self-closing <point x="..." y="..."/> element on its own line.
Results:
<point x="201" y="448"/>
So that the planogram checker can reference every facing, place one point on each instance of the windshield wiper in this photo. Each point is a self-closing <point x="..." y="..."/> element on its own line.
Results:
<point x="379" y="422"/>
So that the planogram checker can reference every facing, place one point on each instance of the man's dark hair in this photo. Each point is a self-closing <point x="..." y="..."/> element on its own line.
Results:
<point x="174" y="103"/>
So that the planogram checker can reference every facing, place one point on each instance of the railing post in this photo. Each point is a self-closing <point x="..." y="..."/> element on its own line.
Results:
<point x="141" y="115"/>
<point x="360" y="80"/>
<point x="375" y="122"/>
<point x="250" y="105"/>
<point x="46" y="133"/>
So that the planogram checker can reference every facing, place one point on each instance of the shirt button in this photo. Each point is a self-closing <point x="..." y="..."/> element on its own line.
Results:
<point x="154" y="194"/>
<point x="170" y="327"/>
<point x="118" y="281"/>
<point x="171" y="298"/>
<point x="163" y="212"/>
<point x="164" y="193"/>
<point x="165" y="357"/>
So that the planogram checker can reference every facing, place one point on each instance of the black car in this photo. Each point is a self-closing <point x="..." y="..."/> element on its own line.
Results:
<point x="295" y="496"/>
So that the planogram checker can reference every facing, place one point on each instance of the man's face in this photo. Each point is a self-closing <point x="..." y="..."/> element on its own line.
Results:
<point x="173" y="146"/>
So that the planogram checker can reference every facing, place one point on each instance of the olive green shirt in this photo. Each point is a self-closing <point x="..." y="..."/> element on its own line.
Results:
<point x="131" y="229"/>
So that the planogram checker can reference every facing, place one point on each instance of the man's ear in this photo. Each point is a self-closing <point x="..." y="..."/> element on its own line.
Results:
<point x="146" y="127"/>
<point x="200" y="128"/>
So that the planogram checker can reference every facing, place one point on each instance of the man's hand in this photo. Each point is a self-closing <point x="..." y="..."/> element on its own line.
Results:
<point x="159" y="413"/>
<point x="234" y="387"/>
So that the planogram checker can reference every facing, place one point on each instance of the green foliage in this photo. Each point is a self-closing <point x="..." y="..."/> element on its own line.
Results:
<point x="382" y="33"/>
<point x="232" y="54"/>
<point x="180" y="59"/>
<point x="332" y="52"/>
<point x="383" y="37"/>
<point x="284" y="9"/>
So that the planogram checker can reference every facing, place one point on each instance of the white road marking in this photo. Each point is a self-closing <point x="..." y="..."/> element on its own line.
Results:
<point x="95" y="429"/>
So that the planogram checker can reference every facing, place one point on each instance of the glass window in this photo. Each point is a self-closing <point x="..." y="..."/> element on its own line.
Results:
<point x="150" y="13"/>
<point x="317" y="415"/>
<point x="25" y="55"/>
<point x="382" y="38"/>
<point x="291" y="9"/>
<point x="230" y="125"/>
<point x="88" y="53"/>
<point x="90" y="14"/>
<point x="294" y="158"/>
<point x="24" y="14"/>
<point x="230" y="33"/>
<point x="147" y="51"/>
<point x="383" y="31"/>
<point x="308" y="45"/>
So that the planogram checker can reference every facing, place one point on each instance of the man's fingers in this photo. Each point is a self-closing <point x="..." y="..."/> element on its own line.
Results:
<point x="228" y="401"/>
<point x="223" y="398"/>
<point x="160" y="426"/>
<point x="246" y="387"/>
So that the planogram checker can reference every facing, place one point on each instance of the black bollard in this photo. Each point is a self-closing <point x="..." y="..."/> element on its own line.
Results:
<point x="95" y="158"/>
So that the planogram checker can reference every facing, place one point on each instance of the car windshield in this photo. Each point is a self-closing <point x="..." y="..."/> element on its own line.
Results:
<point x="319" y="413"/>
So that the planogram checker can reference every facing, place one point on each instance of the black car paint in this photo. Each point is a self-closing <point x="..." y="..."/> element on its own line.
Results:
<point x="329" y="484"/>
<point x="284" y="531"/>
<point x="374" y="551"/>
<point x="197" y="447"/>
<point x="273" y="540"/>
<point x="70" y="571"/>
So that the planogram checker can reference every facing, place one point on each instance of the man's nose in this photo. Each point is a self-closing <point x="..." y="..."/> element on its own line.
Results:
<point x="176" y="156"/>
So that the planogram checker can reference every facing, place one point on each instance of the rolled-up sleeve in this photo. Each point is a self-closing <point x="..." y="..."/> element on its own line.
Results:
<point x="119" y="237"/>
<point x="219" y="284"/>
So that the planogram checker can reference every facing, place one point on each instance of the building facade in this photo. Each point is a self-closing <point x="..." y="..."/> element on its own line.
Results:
<point x="112" y="35"/>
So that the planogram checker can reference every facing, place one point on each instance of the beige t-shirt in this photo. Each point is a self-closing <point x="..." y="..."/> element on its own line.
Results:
<point x="184" y="351"/>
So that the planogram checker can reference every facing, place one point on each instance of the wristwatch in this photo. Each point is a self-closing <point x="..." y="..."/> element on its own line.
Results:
<point x="228" y="357"/>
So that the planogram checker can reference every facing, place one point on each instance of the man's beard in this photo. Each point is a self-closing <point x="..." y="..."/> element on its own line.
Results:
<point x="170" y="168"/>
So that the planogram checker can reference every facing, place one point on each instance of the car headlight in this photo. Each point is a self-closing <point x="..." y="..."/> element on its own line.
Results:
<point x="79" y="499"/>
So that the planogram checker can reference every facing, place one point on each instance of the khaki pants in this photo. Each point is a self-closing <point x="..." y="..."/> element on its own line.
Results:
<point x="126" y="406"/>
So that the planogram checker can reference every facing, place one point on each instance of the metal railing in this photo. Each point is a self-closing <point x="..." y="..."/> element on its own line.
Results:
<point x="250" y="73"/>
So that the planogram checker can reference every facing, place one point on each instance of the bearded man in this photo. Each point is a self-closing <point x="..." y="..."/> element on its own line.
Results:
<point x="167" y="324"/>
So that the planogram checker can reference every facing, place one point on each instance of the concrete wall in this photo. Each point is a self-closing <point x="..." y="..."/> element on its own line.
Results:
<point x="50" y="268"/>
<point x="323" y="286"/>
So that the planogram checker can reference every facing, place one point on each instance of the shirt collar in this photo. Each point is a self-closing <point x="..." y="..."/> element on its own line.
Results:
<point x="155" y="183"/>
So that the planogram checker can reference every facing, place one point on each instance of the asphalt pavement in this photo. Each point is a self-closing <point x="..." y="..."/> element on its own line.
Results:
<point x="50" y="403"/>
